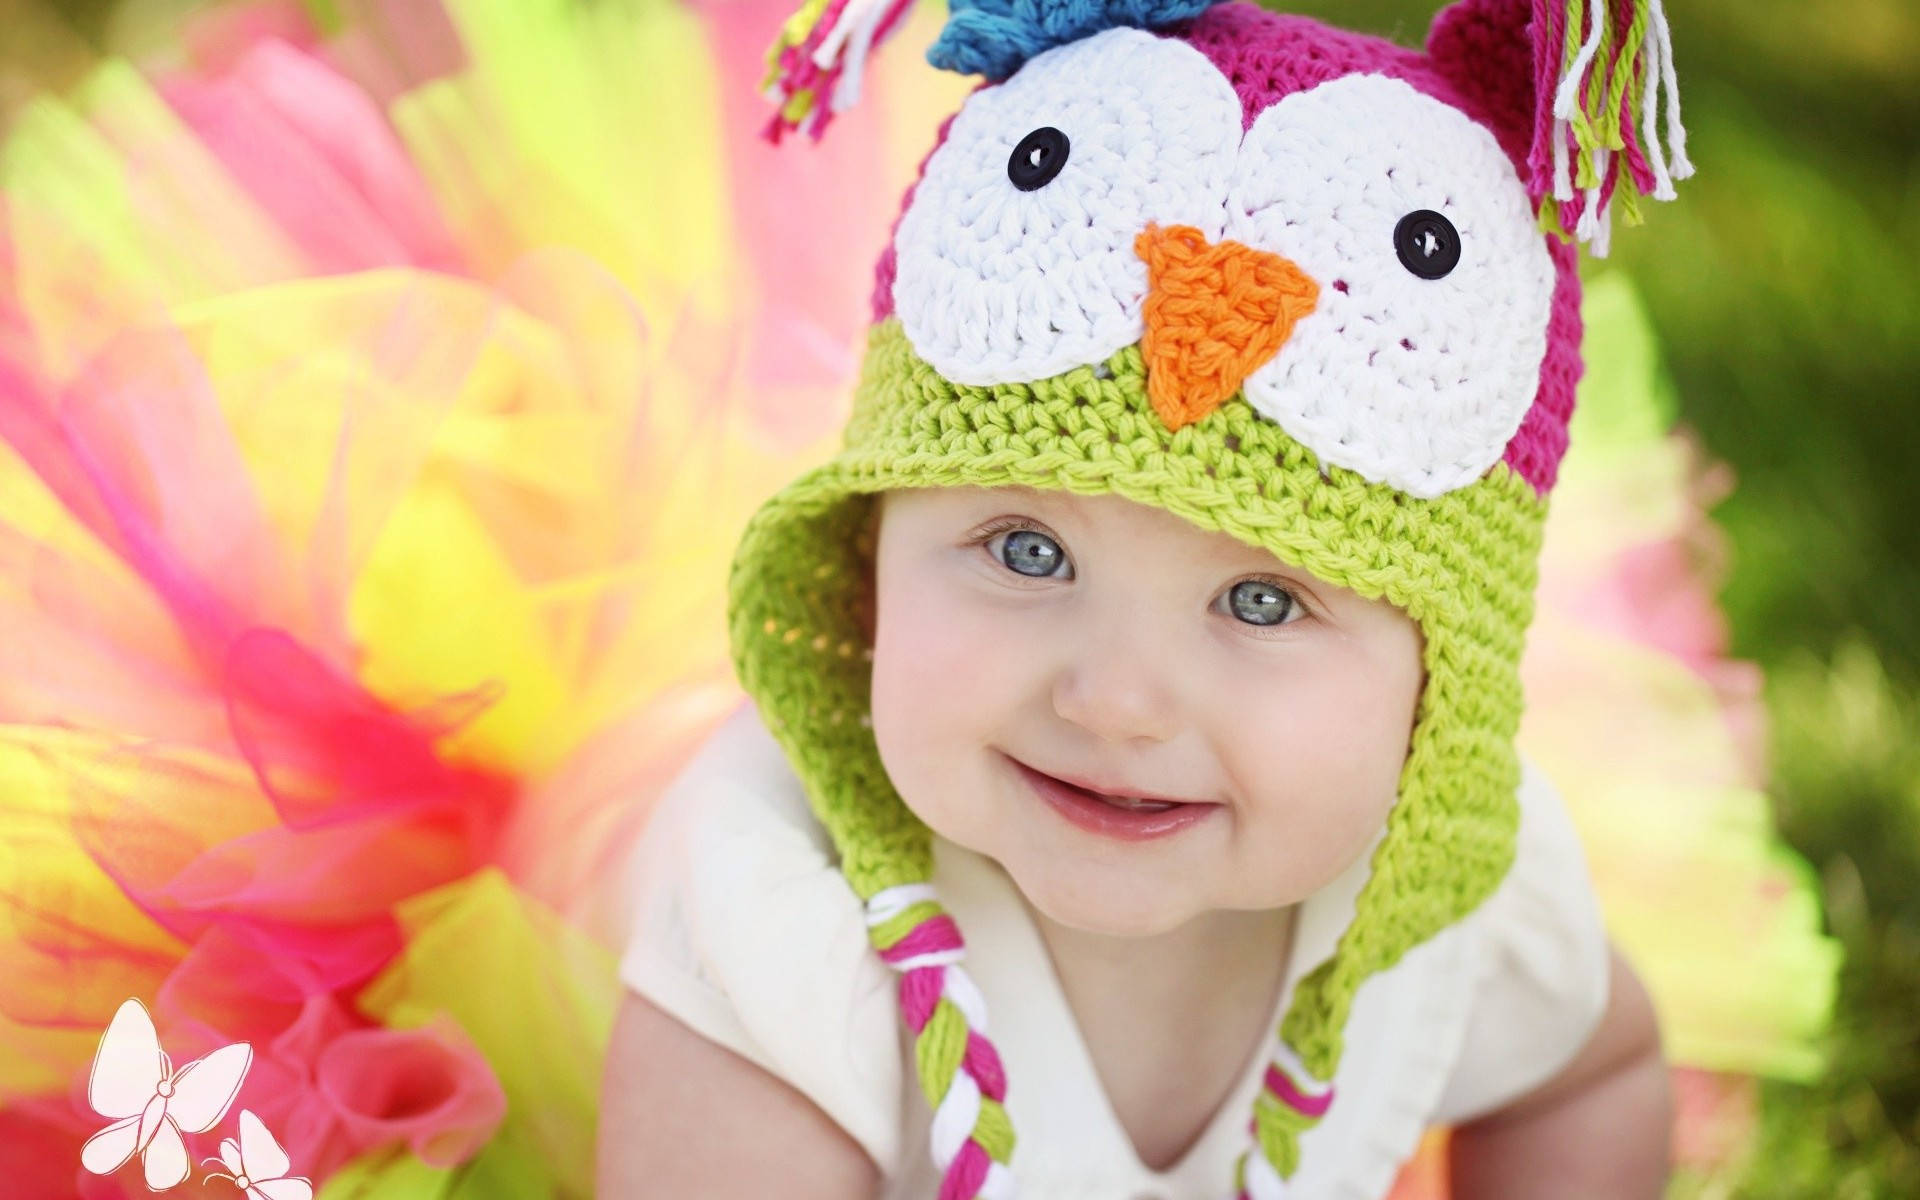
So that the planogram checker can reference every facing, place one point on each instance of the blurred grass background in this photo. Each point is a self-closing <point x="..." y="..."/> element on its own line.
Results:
<point x="1784" y="287"/>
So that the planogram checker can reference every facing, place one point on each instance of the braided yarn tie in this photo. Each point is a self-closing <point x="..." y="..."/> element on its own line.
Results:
<point x="959" y="1070"/>
<point x="1290" y="1103"/>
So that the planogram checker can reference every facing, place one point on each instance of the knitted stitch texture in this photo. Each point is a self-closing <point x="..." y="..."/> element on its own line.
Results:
<point x="1214" y="314"/>
<point x="1461" y="565"/>
<point x="992" y="38"/>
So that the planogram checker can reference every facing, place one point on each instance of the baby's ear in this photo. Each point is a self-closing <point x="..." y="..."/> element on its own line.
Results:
<point x="1488" y="50"/>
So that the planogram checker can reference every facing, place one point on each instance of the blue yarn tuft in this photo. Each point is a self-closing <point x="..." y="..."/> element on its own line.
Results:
<point x="994" y="37"/>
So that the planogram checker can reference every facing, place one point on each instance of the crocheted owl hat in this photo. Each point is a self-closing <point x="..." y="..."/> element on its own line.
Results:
<point x="1283" y="280"/>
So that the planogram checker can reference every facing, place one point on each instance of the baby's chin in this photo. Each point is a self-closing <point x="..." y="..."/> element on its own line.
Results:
<point x="1113" y="891"/>
<point x="1108" y="898"/>
<point x="1110" y="902"/>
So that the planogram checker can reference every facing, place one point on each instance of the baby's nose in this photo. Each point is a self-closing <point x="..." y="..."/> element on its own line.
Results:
<point x="1115" y="697"/>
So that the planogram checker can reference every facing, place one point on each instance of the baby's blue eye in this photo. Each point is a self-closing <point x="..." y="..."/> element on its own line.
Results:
<point x="1260" y="603"/>
<point x="1031" y="553"/>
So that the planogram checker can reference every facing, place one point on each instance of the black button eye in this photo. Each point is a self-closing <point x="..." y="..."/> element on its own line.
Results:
<point x="1038" y="158"/>
<point x="1428" y="244"/>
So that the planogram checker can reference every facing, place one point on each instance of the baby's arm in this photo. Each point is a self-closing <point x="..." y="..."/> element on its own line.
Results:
<point x="1596" y="1131"/>
<point x="682" y="1116"/>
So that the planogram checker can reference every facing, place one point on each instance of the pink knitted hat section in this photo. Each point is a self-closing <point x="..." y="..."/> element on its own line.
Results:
<point x="1268" y="56"/>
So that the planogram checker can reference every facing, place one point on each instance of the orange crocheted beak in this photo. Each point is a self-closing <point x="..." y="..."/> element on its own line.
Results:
<point x="1215" y="313"/>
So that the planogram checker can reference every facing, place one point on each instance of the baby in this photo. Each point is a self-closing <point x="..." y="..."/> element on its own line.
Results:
<point x="1246" y="726"/>
<point x="1129" y="777"/>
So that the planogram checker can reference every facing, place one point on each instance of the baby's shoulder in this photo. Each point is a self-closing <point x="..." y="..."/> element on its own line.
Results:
<point x="1543" y="921"/>
<point x="1541" y="960"/>
<point x="737" y="785"/>
<point x="744" y="929"/>
<point x="734" y="853"/>
<point x="1549" y="859"/>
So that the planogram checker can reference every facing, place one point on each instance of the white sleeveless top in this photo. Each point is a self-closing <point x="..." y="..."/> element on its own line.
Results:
<point x="743" y="928"/>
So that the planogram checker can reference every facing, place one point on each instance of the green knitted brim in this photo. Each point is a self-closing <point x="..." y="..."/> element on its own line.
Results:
<point x="1462" y="566"/>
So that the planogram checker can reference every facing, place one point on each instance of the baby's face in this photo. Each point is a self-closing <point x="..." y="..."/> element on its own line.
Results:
<point x="1120" y="646"/>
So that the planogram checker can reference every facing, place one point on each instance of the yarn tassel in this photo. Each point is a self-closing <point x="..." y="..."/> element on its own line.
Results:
<point x="814" y="68"/>
<point x="1599" y="133"/>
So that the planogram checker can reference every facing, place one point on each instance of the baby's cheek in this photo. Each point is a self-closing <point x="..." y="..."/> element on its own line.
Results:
<point x="1322" y="757"/>
<point x="932" y="696"/>
<point x="935" y="653"/>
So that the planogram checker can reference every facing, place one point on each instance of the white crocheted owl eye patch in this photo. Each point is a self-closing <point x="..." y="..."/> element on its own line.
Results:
<point x="1412" y="381"/>
<point x="997" y="284"/>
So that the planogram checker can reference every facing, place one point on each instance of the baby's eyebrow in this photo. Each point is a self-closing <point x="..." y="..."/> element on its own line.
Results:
<point x="1234" y="554"/>
<point x="1038" y="497"/>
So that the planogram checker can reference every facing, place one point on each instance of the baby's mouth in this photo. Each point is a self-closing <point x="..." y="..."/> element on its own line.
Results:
<point x="1127" y="803"/>
<point x="1111" y="815"/>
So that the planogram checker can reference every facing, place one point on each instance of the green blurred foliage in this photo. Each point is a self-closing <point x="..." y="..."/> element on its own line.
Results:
<point x="1784" y="286"/>
<point x="1847" y="787"/>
